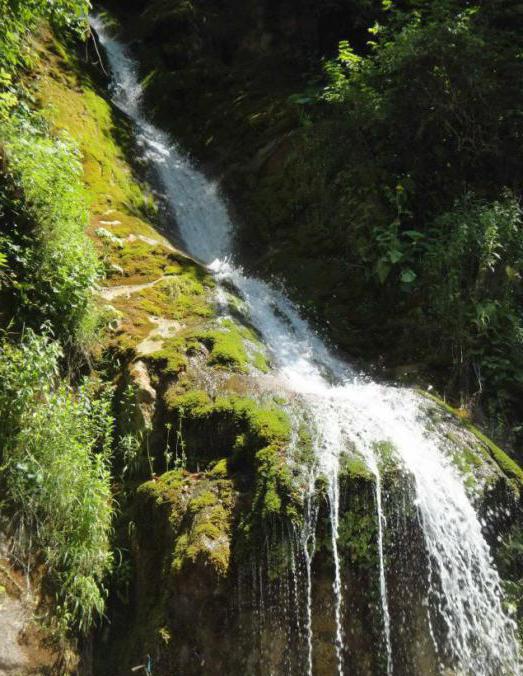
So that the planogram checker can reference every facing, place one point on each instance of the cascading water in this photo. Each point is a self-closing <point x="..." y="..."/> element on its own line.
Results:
<point x="347" y="410"/>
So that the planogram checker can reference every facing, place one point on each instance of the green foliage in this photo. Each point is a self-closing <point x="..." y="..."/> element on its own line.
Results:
<point x="471" y="271"/>
<point x="357" y="538"/>
<point x="52" y="266"/>
<point x="55" y="446"/>
<point x="8" y="96"/>
<point x="430" y="103"/>
<point x="20" y="17"/>
<point x="55" y="441"/>
<point x="410" y="186"/>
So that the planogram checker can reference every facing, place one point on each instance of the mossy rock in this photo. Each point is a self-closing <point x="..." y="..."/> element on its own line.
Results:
<point x="475" y="455"/>
<point x="199" y="512"/>
<point x="353" y="467"/>
<point x="254" y="437"/>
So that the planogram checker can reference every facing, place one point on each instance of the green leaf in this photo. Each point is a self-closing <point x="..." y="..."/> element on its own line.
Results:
<point x="414" y="234"/>
<point x="382" y="270"/>
<point x="408" y="276"/>
<point x="395" y="255"/>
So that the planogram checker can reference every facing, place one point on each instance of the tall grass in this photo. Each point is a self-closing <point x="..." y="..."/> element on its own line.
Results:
<point x="55" y="446"/>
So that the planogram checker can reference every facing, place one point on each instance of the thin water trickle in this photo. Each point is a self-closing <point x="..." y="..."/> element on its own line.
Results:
<point x="348" y="411"/>
<point x="383" y="579"/>
<point x="309" y="545"/>
<point x="334" y="500"/>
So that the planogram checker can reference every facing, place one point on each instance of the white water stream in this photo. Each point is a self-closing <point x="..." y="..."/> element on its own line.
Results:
<point x="348" y="411"/>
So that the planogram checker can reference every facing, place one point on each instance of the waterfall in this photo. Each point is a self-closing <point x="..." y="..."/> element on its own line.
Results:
<point x="348" y="410"/>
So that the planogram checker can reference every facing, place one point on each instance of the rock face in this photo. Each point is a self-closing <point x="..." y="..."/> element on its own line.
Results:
<point x="22" y="651"/>
<point x="144" y="393"/>
<point x="205" y="601"/>
<point x="14" y="657"/>
<point x="217" y="579"/>
<point x="244" y="71"/>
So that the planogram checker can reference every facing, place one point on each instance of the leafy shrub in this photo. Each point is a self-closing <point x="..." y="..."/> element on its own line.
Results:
<point x="52" y="263"/>
<point x="19" y="18"/>
<point x="55" y="446"/>
<point x="432" y="106"/>
<point x="472" y="276"/>
<point x="411" y="184"/>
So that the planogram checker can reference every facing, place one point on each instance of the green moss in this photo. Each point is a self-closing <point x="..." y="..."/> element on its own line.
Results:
<point x="199" y="516"/>
<point x="354" y="467"/>
<point x="274" y="485"/>
<point x="270" y="423"/>
<point x="151" y="308"/>
<point x="207" y="529"/>
<point x="271" y="500"/>
<point x="165" y="488"/>
<point x="207" y="539"/>
<point x="234" y="346"/>
<point x="219" y="470"/>
<point x="184" y="297"/>
<point x="257" y="437"/>
<point x="266" y="423"/>
<point x="196" y="403"/>
<point x="357" y="536"/>
<point x="202" y="500"/>
<point x="72" y="104"/>
<point x="180" y="552"/>
<point x="508" y="466"/>
<point x="504" y="462"/>
<point x="226" y="348"/>
<point x="172" y="356"/>
<point x="259" y="361"/>
<point x="176" y="297"/>
<point x="468" y="460"/>
<point x="386" y="454"/>
<point x="143" y="262"/>
<point x="163" y="300"/>
<point x="305" y="454"/>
